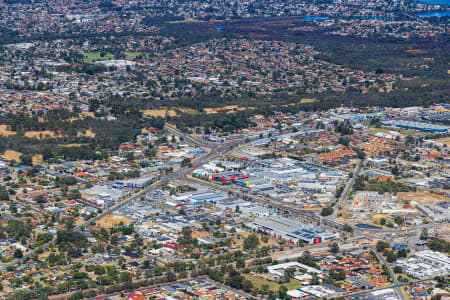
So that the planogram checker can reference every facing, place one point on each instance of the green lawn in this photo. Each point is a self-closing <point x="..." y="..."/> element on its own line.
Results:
<point x="135" y="54"/>
<point x="273" y="286"/>
<point x="95" y="56"/>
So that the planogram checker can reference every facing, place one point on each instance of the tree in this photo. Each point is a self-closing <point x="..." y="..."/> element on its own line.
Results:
<point x="240" y="262"/>
<point x="114" y="239"/>
<point x="326" y="211"/>
<point x="74" y="194"/>
<point x="170" y="276"/>
<point x="391" y="256"/>
<point x="70" y="223"/>
<point x="216" y="276"/>
<point x="40" y="199"/>
<point x="187" y="233"/>
<point x="146" y="265"/>
<point x="18" y="229"/>
<point x="348" y="228"/>
<point x="395" y="171"/>
<point x="315" y="279"/>
<point x="424" y="234"/>
<point x="360" y="153"/>
<point x="130" y="156"/>
<point x="282" y="292"/>
<point x="402" y="253"/>
<point x="398" y="220"/>
<point x="306" y="254"/>
<point x="18" y="253"/>
<point x="125" y="276"/>
<point x="334" y="247"/>
<point x="26" y="160"/>
<point x="251" y="242"/>
<point x="289" y="273"/>
<point x="247" y="285"/>
<point x="127" y="230"/>
<point x="439" y="245"/>
<point x="186" y="162"/>
<point x="337" y="276"/>
<point x="69" y="180"/>
<point x="265" y="289"/>
<point x="235" y="281"/>
<point x="4" y="195"/>
<point x="381" y="245"/>
<point x="307" y="259"/>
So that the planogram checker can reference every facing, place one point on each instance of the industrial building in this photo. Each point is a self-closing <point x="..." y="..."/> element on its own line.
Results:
<point x="277" y="271"/>
<point x="200" y="197"/>
<point x="384" y="294"/>
<point x="436" y="212"/>
<point x="291" y="230"/>
<point x="420" y="126"/>
<point x="134" y="183"/>
<point x="425" y="263"/>
<point x="246" y="208"/>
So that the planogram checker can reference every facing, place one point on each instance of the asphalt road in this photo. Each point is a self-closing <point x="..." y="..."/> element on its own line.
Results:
<point x="217" y="150"/>
<point x="399" y="285"/>
<point x="396" y="283"/>
<point x="346" y="190"/>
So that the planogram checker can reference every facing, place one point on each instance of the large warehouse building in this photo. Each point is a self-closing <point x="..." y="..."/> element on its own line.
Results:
<point x="419" y="126"/>
<point x="291" y="230"/>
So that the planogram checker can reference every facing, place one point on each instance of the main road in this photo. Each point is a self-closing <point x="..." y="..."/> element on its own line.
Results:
<point x="215" y="150"/>
<point x="346" y="190"/>
<point x="396" y="283"/>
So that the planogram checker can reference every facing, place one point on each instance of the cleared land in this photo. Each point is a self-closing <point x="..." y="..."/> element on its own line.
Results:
<point x="4" y="130"/>
<point x="45" y="134"/>
<point x="12" y="155"/>
<point x="88" y="133"/>
<point x="307" y="100"/>
<point x="226" y="109"/>
<point x="399" y="130"/>
<point x="113" y="220"/>
<point x="159" y="112"/>
<point x="71" y="145"/>
<point x="15" y="155"/>
<point x="41" y="134"/>
<point x="37" y="159"/>
<point x="421" y="197"/>
<point x="445" y="141"/>
<point x="82" y="116"/>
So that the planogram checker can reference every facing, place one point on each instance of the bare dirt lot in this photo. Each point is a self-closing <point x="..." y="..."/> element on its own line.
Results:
<point x="445" y="141"/>
<point x="159" y="112"/>
<point x="88" y="133"/>
<point x="113" y="220"/>
<point x="421" y="197"/>
<point x="4" y="130"/>
<point x="11" y="155"/>
<point x="226" y="109"/>
<point x="15" y="155"/>
<point x="40" y="134"/>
